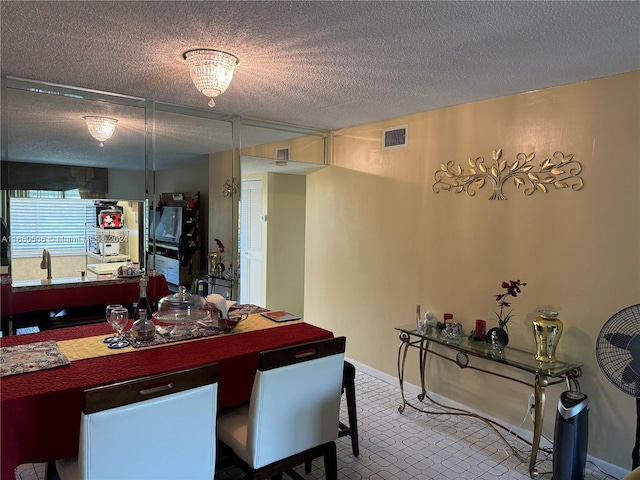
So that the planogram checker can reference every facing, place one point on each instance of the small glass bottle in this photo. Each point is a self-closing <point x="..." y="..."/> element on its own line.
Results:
<point x="143" y="329"/>
<point x="125" y="271"/>
<point x="142" y="304"/>
<point x="419" y="321"/>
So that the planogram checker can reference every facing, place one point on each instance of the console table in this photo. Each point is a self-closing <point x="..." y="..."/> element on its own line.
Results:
<point x="544" y="374"/>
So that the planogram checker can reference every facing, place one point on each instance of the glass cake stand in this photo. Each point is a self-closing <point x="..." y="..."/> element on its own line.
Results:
<point x="182" y="310"/>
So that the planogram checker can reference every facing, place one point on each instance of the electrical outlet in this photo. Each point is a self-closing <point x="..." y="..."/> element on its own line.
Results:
<point x="531" y="406"/>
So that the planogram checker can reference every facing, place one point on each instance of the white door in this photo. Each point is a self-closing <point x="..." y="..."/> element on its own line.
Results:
<point x="251" y="233"/>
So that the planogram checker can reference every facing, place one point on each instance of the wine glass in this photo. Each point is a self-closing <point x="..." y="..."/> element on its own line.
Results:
<point x="118" y="320"/>
<point x="110" y="308"/>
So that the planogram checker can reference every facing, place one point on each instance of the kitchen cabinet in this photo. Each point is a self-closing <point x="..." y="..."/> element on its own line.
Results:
<point x="169" y="267"/>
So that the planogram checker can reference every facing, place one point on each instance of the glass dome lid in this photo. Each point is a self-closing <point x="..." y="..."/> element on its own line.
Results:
<point x="182" y="307"/>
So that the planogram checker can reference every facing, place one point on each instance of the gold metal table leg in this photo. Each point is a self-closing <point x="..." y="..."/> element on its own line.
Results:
<point x="540" y="383"/>
<point x="402" y="358"/>
<point x="424" y="350"/>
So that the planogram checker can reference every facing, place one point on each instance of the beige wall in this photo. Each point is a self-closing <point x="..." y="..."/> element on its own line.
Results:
<point x="379" y="241"/>
<point x="131" y="216"/>
<point x="190" y="179"/>
<point x="221" y="207"/>
<point x="126" y="184"/>
<point x="285" y="242"/>
<point x="283" y="202"/>
<point x="307" y="149"/>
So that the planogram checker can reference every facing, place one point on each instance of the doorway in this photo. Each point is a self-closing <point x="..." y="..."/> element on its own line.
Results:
<point x="252" y="235"/>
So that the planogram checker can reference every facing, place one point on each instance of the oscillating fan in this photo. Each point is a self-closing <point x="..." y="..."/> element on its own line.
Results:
<point x="618" y="354"/>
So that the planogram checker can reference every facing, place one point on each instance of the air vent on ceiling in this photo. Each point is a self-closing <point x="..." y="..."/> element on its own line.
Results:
<point x="395" y="137"/>
<point x="282" y="154"/>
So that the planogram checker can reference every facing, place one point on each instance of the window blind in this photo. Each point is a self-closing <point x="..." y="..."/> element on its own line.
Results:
<point x="60" y="225"/>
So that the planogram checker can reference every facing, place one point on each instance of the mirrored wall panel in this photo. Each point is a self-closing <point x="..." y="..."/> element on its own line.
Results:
<point x="192" y="163"/>
<point x="70" y="155"/>
<point x="96" y="180"/>
<point x="274" y="164"/>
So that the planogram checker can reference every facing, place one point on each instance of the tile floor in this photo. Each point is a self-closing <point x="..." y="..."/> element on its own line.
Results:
<point x="410" y="446"/>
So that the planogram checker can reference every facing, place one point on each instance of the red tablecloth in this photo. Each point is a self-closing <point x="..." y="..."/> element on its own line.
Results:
<point x="25" y="300"/>
<point x="40" y="411"/>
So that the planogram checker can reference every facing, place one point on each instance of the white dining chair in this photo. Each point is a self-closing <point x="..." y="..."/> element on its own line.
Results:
<point x="292" y="416"/>
<point x="157" y="427"/>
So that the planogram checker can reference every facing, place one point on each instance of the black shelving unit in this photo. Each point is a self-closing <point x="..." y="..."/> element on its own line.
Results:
<point x="179" y="261"/>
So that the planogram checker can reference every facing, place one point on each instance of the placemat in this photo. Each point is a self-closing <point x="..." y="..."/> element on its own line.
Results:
<point x="92" y="347"/>
<point x="31" y="358"/>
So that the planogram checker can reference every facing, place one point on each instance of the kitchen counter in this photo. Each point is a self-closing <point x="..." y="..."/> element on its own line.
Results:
<point x="68" y="282"/>
<point x="104" y="268"/>
<point x="35" y="295"/>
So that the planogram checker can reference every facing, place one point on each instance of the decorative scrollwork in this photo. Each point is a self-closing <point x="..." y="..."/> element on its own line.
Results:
<point x="462" y="359"/>
<point x="230" y="188"/>
<point x="559" y="171"/>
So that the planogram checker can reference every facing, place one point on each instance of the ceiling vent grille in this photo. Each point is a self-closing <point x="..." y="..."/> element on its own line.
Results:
<point x="395" y="137"/>
<point x="282" y="154"/>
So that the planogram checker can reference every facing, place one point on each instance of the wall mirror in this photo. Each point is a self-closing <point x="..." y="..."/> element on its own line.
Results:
<point x="56" y="179"/>
<point x="156" y="149"/>
<point x="272" y="212"/>
<point x="192" y="160"/>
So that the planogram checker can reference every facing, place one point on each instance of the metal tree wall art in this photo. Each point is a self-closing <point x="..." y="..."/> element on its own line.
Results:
<point x="557" y="172"/>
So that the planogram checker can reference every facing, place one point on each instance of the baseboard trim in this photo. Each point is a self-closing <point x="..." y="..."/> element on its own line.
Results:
<point x="413" y="390"/>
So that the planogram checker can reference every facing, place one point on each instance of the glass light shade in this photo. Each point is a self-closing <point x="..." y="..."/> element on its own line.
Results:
<point x="211" y="71"/>
<point x="101" y="128"/>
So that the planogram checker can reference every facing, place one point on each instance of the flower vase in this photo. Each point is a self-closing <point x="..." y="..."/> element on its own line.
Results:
<point x="547" y="329"/>
<point x="501" y="335"/>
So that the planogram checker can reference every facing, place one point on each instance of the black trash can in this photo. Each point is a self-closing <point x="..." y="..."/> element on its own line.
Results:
<point x="570" y="436"/>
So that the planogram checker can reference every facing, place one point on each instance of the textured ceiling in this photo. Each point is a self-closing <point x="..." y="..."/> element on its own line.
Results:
<point x="322" y="64"/>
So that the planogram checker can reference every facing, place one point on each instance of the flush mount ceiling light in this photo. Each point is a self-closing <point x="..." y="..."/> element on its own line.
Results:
<point x="211" y="71"/>
<point x="101" y="128"/>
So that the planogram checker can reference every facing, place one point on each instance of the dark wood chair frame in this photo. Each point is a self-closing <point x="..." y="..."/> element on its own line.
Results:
<point x="274" y="471"/>
<point x="349" y="386"/>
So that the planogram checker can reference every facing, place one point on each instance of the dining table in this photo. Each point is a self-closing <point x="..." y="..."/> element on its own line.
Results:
<point x="40" y="410"/>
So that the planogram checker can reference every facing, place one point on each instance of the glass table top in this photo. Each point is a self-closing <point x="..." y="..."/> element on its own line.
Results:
<point x="514" y="357"/>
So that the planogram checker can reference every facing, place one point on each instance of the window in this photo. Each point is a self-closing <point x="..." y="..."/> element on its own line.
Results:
<point x="59" y="224"/>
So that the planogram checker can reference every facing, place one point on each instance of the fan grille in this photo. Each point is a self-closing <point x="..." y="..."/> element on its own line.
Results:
<point x="618" y="350"/>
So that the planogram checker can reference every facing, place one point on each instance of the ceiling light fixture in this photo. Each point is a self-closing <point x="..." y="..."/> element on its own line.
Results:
<point x="101" y="128"/>
<point x="211" y="70"/>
